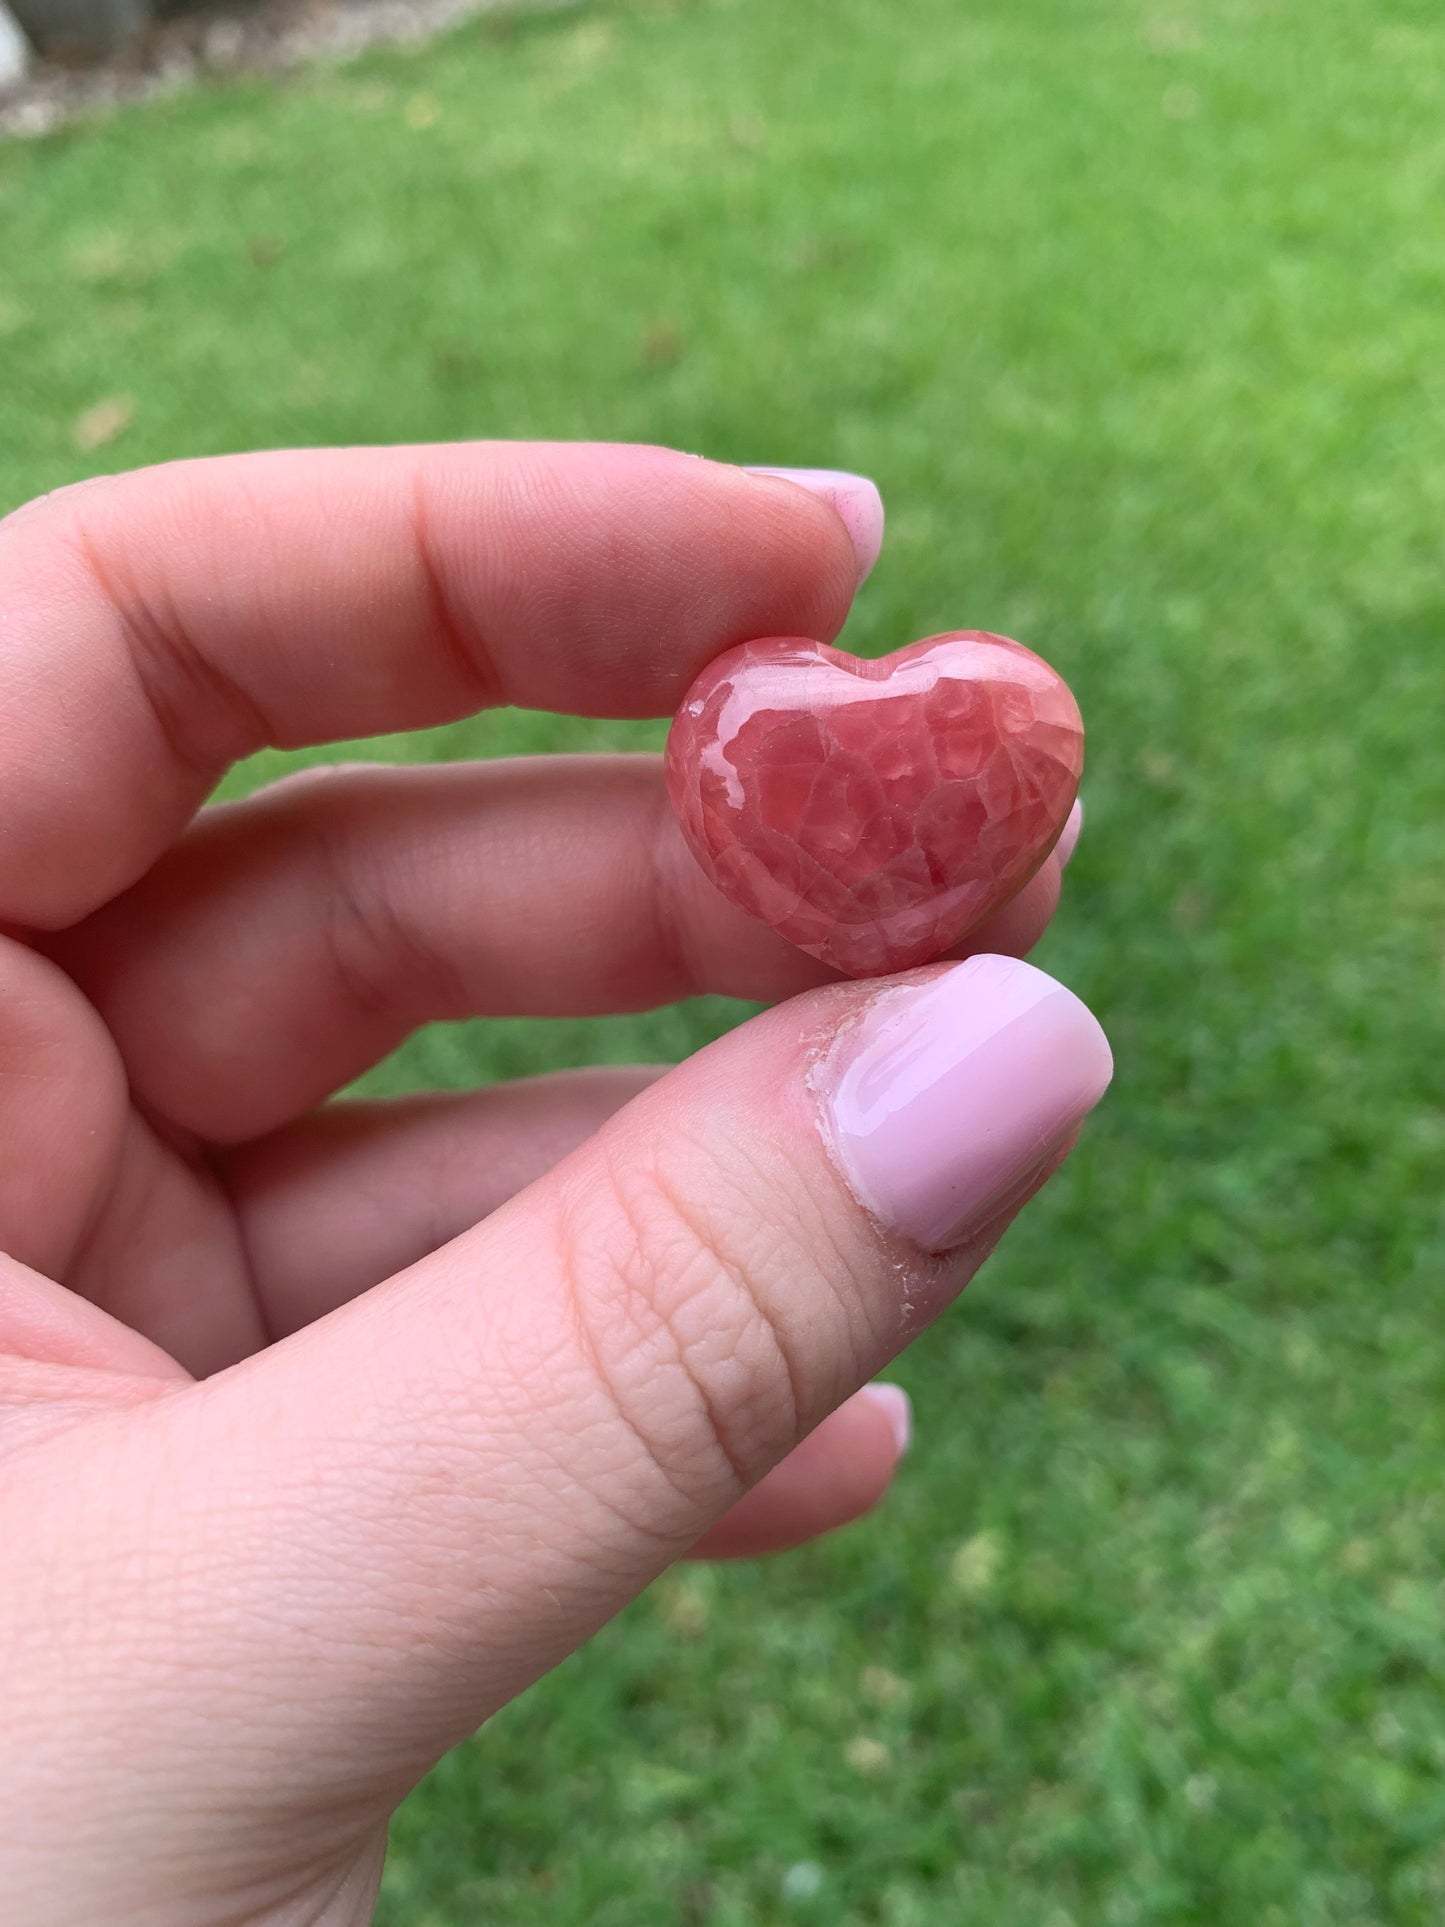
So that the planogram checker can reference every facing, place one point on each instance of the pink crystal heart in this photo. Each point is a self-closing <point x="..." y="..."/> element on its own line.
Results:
<point x="874" y="812"/>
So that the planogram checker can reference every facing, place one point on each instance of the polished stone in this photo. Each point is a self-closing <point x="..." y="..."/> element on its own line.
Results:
<point x="873" y="812"/>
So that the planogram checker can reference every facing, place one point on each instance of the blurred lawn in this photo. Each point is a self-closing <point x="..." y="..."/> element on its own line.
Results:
<point x="1138" y="316"/>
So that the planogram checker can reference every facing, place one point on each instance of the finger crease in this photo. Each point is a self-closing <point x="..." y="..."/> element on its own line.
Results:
<point x="740" y="1282"/>
<point x="666" y="1325"/>
<point x="577" y="1300"/>
<point x="206" y="719"/>
<point x="219" y="1170"/>
<point x="458" y="635"/>
<point x="385" y="967"/>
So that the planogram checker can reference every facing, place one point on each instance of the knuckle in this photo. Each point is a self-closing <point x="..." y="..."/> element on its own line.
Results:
<point x="54" y="500"/>
<point x="205" y="716"/>
<point x="714" y="1313"/>
<point x="383" y="956"/>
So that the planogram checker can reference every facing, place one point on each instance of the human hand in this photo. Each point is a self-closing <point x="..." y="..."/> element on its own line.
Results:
<point x="323" y="1432"/>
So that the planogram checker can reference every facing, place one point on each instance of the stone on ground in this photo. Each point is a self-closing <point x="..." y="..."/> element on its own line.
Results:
<point x="14" y="50"/>
<point x="83" y="29"/>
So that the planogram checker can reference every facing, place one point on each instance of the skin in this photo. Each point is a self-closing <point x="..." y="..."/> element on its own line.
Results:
<point x="327" y="1428"/>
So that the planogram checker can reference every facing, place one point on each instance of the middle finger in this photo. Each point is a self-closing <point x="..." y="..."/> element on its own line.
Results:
<point x="290" y="941"/>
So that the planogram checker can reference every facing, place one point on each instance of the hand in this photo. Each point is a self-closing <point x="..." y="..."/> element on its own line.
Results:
<point x="324" y="1431"/>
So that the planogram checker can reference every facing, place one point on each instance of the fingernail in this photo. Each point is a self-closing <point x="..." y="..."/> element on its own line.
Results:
<point x="953" y="1094"/>
<point x="1069" y="834"/>
<point x="897" y="1407"/>
<point x="855" y="501"/>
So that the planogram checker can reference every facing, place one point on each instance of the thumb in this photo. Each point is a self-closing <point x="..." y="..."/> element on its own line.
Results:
<point x="374" y="1534"/>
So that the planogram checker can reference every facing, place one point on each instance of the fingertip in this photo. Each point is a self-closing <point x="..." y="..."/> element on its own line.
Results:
<point x="1069" y="835"/>
<point x="944" y="1104"/>
<point x="896" y="1407"/>
<point x="854" y="499"/>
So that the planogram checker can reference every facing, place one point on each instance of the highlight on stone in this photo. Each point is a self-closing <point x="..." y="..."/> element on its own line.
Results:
<point x="873" y="812"/>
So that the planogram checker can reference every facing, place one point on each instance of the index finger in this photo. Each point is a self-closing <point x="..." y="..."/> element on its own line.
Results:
<point x="160" y="625"/>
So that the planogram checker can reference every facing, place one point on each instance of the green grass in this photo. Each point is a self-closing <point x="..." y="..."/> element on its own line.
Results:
<point x="1138" y="316"/>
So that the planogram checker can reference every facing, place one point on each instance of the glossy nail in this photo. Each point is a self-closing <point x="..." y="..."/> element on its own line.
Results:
<point x="1069" y="834"/>
<point x="854" y="500"/>
<point x="897" y="1407"/>
<point x="952" y="1094"/>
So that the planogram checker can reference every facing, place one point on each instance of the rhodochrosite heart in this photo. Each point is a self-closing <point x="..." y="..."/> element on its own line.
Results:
<point x="872" y="812"/>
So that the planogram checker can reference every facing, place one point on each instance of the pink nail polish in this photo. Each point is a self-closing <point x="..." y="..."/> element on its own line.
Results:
<point x="854" y="500"/>
<point x="953" y="1093"/>
<point x="1069" y="834"/>
<point x="897" y="1407"/>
